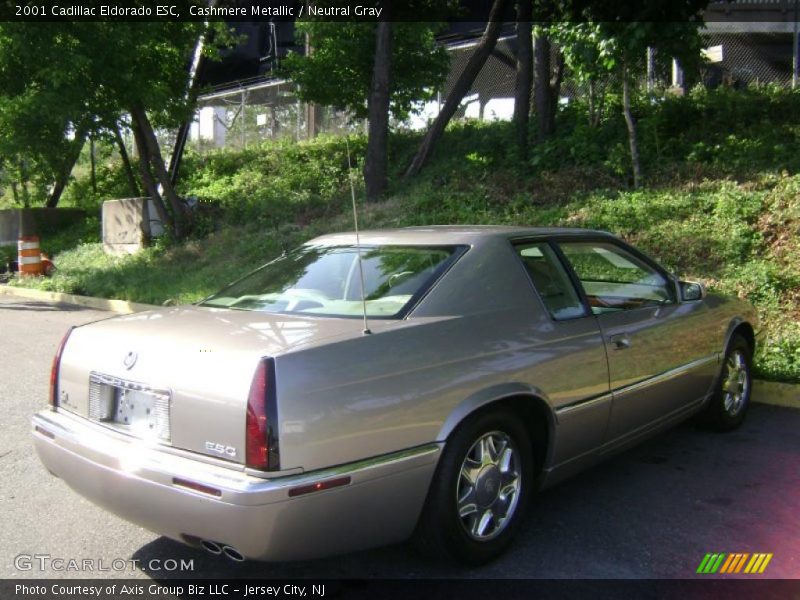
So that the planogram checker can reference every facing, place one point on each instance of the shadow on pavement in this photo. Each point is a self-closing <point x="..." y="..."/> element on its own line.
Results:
<point x="651" y="512"/>
<point x="42" y="306"/>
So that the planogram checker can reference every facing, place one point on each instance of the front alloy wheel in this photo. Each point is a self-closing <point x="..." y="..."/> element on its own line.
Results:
<point x="736" y="382"/>
<point x="731" y="398"/>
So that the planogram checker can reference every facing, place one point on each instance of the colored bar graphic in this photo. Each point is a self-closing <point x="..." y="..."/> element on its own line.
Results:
<point x="764" y="564"/>
<point x="758" y="562"/>
<point x="722" y="563"/>
<point x="711" y="563"/>
<point x="703" y="563"/>
<point x="741" y="562"/>
<point x="718" y="563"/>
<point x="731" y="559"/>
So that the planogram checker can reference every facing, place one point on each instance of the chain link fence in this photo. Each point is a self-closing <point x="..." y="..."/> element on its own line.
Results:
<point x="248" y="115"/>
<point x="737" y="54"/>
<point x="749" y="57"/>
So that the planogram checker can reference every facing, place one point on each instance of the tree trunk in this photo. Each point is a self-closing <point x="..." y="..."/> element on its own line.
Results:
<point x="26" y="195"/>
<point x="62" y="178"/>
<point x="149" y="182"/>
<point x="462" y="86"/>
<point x="541" y="85"/>
<point x="160" y="171"/>
<point x="631" y="123"/>
<point x="126" y="161"/>
<point x="555" y="90"/>
<point x="524" y="78"/>
<point x="376" y="159"/>
<point x="196" y="75"/>
<point x="93" y="163"/>
<point x="313" y="112"/>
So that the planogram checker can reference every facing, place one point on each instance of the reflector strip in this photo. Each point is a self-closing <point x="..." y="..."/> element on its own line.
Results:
<point x="319" y="486"/>
<point x="44" y="432"/>
<point x="197" y="487"/>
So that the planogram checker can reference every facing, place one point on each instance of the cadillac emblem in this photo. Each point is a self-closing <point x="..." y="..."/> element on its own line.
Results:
<point x="130" y="359"/>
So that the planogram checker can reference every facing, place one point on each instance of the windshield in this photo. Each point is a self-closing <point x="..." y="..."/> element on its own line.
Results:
<point x="326" y="280"/>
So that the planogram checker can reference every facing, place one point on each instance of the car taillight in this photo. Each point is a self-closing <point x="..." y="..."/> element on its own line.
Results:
<point x="54" y="370"/>
<point x="261" y="443"/>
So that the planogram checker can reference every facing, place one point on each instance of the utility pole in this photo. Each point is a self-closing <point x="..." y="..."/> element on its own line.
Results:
<point x="795" y="48"/>
<point x="651" y="69"/>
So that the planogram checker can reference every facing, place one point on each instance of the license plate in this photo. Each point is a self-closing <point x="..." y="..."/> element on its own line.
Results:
<point x="130" y="407"/>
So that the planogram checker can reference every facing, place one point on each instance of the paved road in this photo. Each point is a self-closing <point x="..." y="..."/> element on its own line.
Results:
<point x="651" y="512"/>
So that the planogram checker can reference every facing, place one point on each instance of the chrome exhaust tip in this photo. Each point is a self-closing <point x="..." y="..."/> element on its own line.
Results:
<point x="212" y="547"/>
<point x="233" y="553"/>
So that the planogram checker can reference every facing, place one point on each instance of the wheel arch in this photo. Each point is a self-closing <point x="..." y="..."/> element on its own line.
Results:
<point x="529" y="403"/>
<point x="740" y="326"/>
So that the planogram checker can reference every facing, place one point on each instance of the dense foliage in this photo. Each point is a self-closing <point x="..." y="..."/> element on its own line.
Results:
<point x="722" y="205"/>
<point x="339" y="69"/>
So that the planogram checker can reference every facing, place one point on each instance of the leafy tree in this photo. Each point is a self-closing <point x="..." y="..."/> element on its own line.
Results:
<point x="338" y="70"/>
<point x="601" y="46"/>
<point x="462" y="85"/>
<point x="62" y="82"/>
<point x="37" y="138"/>
<point x="373" y="71"/>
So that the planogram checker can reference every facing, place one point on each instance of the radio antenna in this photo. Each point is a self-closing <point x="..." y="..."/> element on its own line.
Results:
<point x="358" y="238"/>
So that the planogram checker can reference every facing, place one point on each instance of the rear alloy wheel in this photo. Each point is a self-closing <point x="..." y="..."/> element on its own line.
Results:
<point x="732" y="396"/>
<point x="489" y="486"/>
<point x="479" y="492"/>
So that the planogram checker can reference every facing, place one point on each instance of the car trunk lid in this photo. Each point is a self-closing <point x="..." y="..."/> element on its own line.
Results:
<point x="182" y="376"/>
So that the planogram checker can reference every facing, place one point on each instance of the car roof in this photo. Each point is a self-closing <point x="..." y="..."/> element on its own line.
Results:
<point x="450" y="234"/>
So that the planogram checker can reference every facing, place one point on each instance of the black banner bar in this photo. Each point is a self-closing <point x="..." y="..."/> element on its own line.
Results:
<point x="415" y="589"/>
<point x="39" y="11"/>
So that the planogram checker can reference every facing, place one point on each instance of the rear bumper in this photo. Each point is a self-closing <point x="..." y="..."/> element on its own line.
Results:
<point x="380" y="504"/>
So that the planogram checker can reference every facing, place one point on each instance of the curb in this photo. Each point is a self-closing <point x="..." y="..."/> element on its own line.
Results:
<point x="764" y="392"/>
<point x="117" y="306"/>
<point x="776" y="393"/>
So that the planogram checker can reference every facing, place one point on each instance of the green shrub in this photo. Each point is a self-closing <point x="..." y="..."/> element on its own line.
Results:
<point x="778" y="358"/>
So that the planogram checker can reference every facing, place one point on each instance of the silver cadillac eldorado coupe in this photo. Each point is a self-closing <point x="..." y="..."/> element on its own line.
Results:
<point x="358" y="391"/>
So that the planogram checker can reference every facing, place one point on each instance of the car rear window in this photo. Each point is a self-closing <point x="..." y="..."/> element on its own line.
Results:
<point x="326" y="281"/>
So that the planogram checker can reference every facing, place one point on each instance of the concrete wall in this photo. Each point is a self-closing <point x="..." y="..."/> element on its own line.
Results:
<point x="128" y="224"/>
<point x="37" y="221"/>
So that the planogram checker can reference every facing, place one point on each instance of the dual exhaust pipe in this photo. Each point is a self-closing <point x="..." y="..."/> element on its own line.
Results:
<point x="217" y="549"/>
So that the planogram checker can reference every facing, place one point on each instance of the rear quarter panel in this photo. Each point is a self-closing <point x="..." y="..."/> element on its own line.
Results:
<point x="401" y="387"/>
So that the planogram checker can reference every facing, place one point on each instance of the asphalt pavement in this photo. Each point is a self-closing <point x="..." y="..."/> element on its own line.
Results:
<point x="652" y="512"/>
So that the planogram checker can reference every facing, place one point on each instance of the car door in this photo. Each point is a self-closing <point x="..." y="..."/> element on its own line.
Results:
<point x="656" y="368"/>
<point x="576" y="379"/>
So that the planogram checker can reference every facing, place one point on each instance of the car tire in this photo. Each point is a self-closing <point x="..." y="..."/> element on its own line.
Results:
<point x="479" y="492"/>
<point x="732" y="389"/>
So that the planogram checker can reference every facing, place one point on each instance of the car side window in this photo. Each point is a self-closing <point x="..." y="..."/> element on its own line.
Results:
<point x="551" y="281"/>
<point x="613" y="278"/>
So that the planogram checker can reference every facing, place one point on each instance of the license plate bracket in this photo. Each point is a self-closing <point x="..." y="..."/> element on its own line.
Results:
<point x="131" y="407"/>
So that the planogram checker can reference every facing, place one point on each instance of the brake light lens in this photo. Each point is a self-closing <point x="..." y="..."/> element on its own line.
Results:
<point x="55" y="368"/>
<point x="261" y="443"/>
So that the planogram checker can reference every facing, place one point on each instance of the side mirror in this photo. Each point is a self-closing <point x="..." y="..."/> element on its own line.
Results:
<point x="692" y="291"/>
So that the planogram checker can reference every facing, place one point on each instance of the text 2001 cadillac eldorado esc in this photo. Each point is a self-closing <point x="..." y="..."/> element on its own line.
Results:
<point x="274" y="421"/>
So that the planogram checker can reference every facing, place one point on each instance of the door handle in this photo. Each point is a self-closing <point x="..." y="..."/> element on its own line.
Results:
<point x="621" y="341"/>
